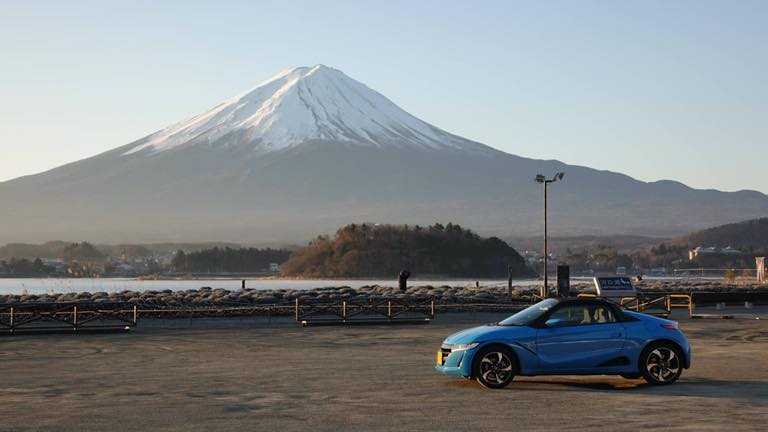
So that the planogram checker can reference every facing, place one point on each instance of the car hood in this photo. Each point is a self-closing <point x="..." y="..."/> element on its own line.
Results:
<point x="481" y="333"/>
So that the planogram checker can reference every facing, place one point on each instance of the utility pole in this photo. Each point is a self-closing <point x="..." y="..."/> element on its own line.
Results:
<point x="543" y="180"/>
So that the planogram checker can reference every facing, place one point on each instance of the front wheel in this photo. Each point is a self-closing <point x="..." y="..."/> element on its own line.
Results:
<point x="632" y="376"/>
<point x="494" y="367"/>
<point x="661" y="364"/>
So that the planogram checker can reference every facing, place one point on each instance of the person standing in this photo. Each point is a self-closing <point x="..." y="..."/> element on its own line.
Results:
<point x="402" y="280"/>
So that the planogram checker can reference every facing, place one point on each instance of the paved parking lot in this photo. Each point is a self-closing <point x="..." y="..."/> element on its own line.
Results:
<point x="253" y="375"/>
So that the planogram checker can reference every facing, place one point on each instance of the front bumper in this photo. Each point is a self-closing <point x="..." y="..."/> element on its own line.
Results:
<point x="457" y="363"/>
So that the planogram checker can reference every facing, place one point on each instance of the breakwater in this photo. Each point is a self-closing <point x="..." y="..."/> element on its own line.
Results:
<point x="208" y="296"/>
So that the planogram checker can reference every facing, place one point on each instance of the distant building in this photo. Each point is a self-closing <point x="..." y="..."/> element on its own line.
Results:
<point x="553" y="259"/>
<point x="58" y="265"/>
<point x="533" y="257"/>
<point x="711" y="251"/>
<point x="659" y="271"/>
<point x="274" y="267"/>
<point x="125" y="269"/>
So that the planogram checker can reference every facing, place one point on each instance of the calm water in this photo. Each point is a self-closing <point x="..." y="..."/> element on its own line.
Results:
<point x="41" y="286"/>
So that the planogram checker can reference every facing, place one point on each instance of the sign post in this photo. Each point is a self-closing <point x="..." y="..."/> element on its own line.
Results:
<point x="563" y="281"/>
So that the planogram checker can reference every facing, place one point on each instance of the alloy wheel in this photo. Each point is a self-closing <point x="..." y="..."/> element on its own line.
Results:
<point x="663" y="364"/>
<point x="496" y="368"/>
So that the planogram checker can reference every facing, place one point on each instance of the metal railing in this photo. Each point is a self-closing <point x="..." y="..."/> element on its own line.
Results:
<point x="50" y="317"/>
<point x="729" y="274"/>
<point x="371" y="311"/>
<point x="83" y="316"/>
<point x="666" y="302"/>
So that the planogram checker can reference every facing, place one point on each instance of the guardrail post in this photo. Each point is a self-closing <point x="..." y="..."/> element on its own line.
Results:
<point x="135" y="315"/>
<point x="12" y="325"/>
<point x="693" y="305"/>
<point x="297" y="309"/>
<point x="389" y="310"/>
<point x="432" y="311"/>
<point x="74" y="317"/>
<point x="344" y="310"/>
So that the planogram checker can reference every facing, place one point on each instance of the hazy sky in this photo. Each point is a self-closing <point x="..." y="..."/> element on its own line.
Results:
<point x="655" y="89"/>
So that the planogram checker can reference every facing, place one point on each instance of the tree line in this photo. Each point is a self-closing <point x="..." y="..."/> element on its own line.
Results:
<point x="227" y="260"/>
<point x="605" y="258"/>
<point x="25" y="267"/>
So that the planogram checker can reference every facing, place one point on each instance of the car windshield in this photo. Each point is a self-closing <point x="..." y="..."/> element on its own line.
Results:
<point x="529" y="314"/>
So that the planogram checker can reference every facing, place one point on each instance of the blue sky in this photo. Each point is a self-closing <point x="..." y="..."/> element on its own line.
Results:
<point x="654" y="89"/>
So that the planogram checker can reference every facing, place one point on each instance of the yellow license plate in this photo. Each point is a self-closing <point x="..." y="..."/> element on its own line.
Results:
<point x="440" y="358"/>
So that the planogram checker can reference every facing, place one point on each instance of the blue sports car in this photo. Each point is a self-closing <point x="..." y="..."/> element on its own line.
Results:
<point x="583" y="336"/>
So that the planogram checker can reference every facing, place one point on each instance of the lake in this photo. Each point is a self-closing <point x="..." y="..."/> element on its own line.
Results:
<point x="54" y="285"/>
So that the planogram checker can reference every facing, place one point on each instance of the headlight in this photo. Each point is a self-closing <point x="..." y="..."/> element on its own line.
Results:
<point x="464" y="347"/>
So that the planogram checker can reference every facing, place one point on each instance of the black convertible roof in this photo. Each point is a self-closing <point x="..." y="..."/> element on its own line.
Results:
<point x="617" y="309"/>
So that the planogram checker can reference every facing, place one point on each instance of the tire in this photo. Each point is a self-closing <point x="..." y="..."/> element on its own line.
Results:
<point x="494" y="367"/>
<point x="661" y="363"/>
<point x="631" y="376"/>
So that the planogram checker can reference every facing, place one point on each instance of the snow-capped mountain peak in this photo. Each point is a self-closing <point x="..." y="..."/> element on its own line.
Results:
<point x="302" y="104"/>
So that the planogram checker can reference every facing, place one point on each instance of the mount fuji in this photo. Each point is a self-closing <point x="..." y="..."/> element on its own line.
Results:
<point x="311" y="149"/>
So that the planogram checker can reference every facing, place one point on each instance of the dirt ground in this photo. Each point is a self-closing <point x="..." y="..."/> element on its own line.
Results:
<point x="255" y="375"/>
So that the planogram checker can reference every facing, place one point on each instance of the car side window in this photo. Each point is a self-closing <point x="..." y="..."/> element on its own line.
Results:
<point x="566" y="316"/>
<point x="601" y="315"/>
<point x="576" y="315"/>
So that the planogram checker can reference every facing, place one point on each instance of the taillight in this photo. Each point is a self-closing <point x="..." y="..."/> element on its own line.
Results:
<point x="672" y="326"/>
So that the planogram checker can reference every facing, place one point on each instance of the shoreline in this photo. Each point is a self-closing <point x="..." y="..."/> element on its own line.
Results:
<point x="442" y="294"/>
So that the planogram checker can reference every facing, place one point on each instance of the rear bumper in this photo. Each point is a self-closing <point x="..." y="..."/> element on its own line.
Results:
<point x="682" y="342"/>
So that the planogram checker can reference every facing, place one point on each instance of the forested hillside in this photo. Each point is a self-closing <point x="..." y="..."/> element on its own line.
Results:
<point x="384" y="250"/>
<point x="748" y="235"/>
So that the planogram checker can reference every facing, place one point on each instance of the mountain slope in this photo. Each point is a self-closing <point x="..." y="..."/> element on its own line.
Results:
<point x="747" y="234"/>
<point x="310" y="150"/>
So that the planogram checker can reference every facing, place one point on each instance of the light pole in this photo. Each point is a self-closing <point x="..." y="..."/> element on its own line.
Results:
<point x="543" y="180"/>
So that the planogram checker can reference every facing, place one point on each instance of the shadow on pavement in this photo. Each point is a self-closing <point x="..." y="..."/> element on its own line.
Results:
<point x="692" y="387"/>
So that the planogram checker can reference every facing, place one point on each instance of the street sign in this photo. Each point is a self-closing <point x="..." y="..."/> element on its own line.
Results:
<point x="614" y="286"/>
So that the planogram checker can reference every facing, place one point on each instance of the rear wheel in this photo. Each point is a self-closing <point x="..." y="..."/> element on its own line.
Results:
<point x="661" y="364"/>
<point x="494" y="367"/>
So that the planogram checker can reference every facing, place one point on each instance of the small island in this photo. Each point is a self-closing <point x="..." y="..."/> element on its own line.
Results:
<point x="383" y="250"/>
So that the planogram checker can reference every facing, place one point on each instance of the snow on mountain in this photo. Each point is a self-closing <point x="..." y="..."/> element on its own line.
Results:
<point x="302" y="104"/>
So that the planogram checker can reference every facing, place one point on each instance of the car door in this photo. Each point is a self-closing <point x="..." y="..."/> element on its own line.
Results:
<point x="579" y="337"/>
